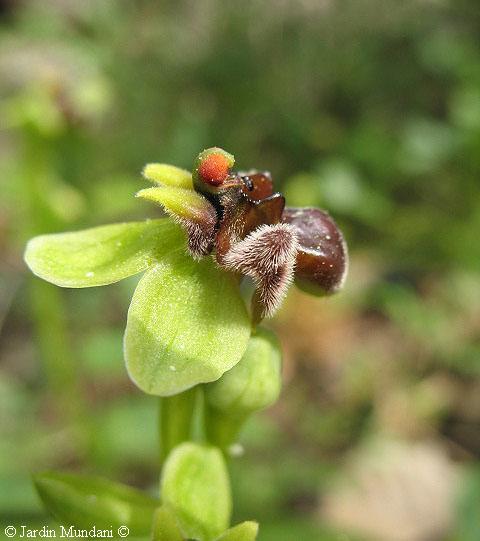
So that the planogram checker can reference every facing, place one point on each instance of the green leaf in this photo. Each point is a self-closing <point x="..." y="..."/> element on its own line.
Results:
<point x="254" y="383"/>
<point x="92" y="501"/>
<point x="165" y="526"/>
<point x="102" y="255"/>
<point x="179" y="201"/>
<point x="196" y="487"/>
<point x="246" y="531"/>
<point x="169" y="175"/>
<point x="187" y="324"/>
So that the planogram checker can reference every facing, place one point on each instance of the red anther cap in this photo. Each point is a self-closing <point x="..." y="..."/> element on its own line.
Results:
<point x="214" y="169"/>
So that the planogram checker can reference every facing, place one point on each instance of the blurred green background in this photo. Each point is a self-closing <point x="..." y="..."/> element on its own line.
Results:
<point x="368" y="108"/>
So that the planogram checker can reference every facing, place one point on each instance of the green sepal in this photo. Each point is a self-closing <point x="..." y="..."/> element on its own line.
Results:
<point x="168" y="175"/>
<point x="85" y="502"/>
<point x="245" y="531"/>
<point x="180" y="202"/>
<point x="254" y="383"/>
<point x="187" y="324"/>
<point x="197" y="183"/>
<point x="165" y="526"/>
<point x="102" y="255"/>
<point x="196" y="487"/>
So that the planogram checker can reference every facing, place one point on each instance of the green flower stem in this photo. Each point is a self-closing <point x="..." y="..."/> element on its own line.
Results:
<point x="222" y="429"/>
<point x="176" y="420"/>
<point x="47" y="307"/>
<point x="48" y="314"/>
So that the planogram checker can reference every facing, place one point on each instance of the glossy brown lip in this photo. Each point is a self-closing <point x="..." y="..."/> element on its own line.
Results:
<point x="322" y="257"/>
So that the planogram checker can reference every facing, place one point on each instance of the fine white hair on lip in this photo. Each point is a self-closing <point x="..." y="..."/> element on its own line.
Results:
<point x="268" y="256"/>
<point x="263" y="250"/>
<point x="201" y="233"/>
<point x="200" y="238"/>
<point x="273" y="288"/>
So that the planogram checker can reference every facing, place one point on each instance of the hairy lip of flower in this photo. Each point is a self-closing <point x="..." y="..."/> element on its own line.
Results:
<point x="238" y="217"/>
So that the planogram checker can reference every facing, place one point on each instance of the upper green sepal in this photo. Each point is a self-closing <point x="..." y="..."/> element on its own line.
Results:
<point x="195" y="486"/>
<point x="102" y="255"/>
<point x="246" y="531"/>
<point x="180" y="202"/>
<point x="168" y="175"/>
<point x="187" y="324"/>
<point x="254" y="383"/>
<point x="85" y="502"/>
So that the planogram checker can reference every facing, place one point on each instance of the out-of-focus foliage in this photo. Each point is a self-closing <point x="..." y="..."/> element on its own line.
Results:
<point x="369" y="108"/>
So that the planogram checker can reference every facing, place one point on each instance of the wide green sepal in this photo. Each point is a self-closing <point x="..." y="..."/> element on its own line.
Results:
<point x="102" y="255"/>
<point x="168" y="175"/>
<point x="195" y="486"/>
<point x="84" y="502"/>
<point x="187" y="324"/>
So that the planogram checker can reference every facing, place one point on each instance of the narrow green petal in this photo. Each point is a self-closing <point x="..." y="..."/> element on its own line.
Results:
<point x="196" y="487"/>
<point x="169" y="175"/>
<point x="184" y="203"/>
<point x="187" y="324"/>
<point x="102" y="255"/>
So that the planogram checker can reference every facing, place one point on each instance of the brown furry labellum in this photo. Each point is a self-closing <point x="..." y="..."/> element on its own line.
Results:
<point x="267" y="255"/>
<point x="260" y="238"/>
<point x="244" y="222"/>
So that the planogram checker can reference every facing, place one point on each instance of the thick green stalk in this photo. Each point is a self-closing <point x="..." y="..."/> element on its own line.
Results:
<point x="46" y="303"/>
<point x="222" y="429"/>
<point x="176" y="420"/>
<point x="52" y="338"/>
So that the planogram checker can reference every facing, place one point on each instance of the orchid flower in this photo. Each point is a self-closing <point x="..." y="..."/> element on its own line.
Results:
<point x="187" y="322"/>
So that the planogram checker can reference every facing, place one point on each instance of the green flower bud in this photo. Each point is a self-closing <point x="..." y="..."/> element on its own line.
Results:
<point x="253" y="384"/>
<point x="196" y="489"/>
